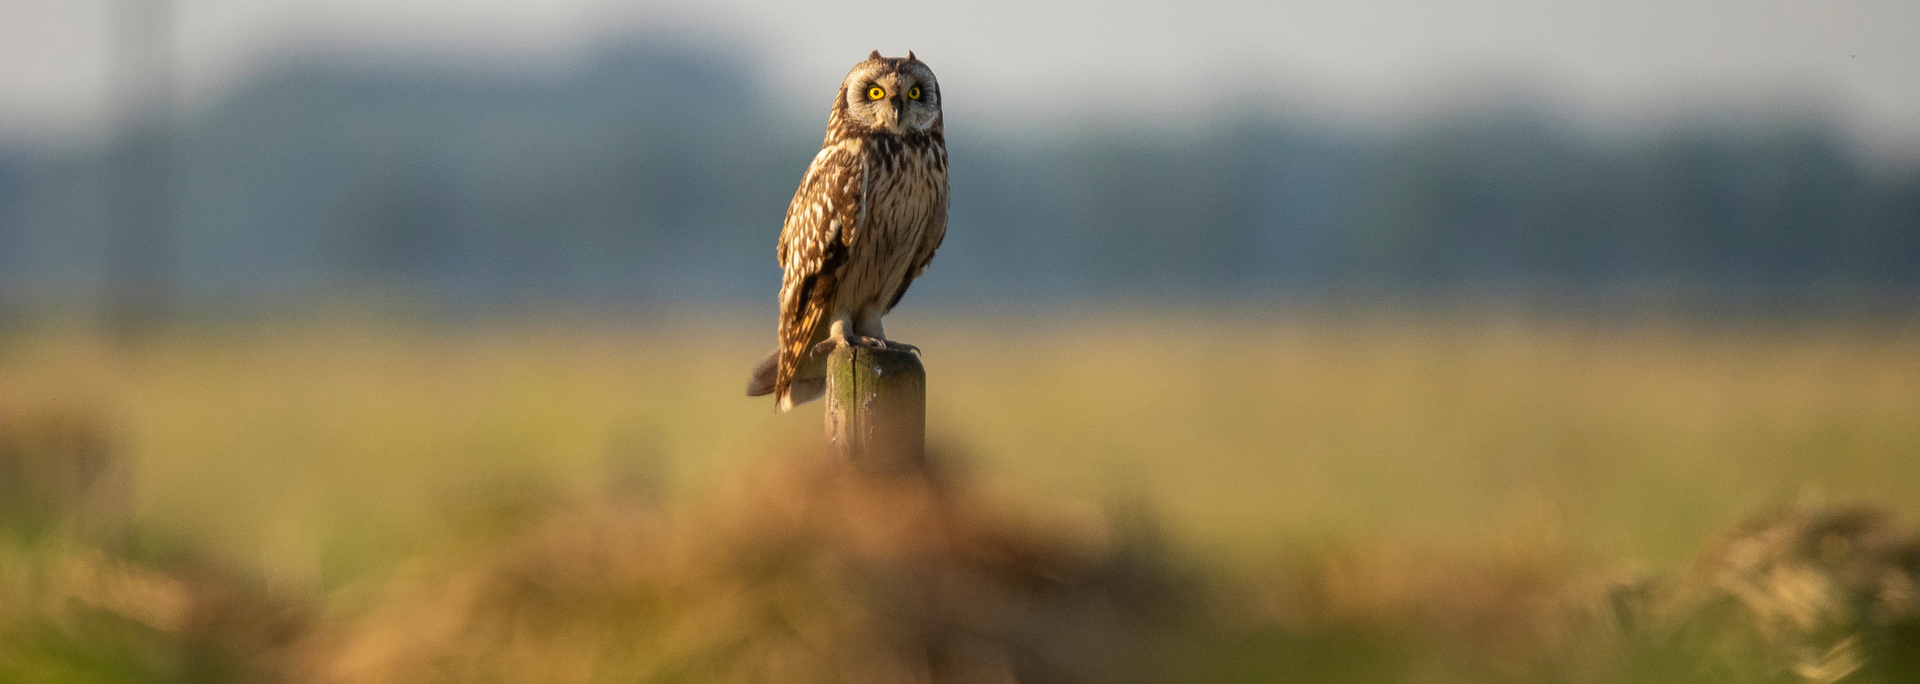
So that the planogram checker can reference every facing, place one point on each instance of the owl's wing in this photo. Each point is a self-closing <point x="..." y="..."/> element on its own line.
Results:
<point x="821" y="222"/>
<point x="827" y="202"/>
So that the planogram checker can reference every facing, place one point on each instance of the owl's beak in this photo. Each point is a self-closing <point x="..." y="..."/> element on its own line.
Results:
<point x="899" y="113"/>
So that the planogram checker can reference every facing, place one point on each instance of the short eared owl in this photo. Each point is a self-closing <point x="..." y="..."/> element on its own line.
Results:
<point x="869" y="213"/>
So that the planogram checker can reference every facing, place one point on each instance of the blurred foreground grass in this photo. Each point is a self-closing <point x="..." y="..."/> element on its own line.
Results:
<point x="314" y="461"/>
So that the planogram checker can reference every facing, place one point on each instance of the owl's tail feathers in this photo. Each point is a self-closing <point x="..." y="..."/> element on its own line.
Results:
<point x="800" y="390"/>
<point x="804" y="390"/>
<point x="760" y="384"/>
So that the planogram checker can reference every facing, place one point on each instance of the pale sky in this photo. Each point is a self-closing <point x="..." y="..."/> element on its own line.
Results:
<point x="1028" y="63"/>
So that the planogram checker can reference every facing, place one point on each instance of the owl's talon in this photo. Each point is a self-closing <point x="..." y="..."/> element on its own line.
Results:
<point x="832" y="343"/>
<point x="827" y="346"/>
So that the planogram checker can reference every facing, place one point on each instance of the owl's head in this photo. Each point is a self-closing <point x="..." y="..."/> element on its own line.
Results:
<point x="891" y="95"/>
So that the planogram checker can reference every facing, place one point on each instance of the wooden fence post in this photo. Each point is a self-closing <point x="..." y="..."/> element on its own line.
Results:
<point x="877" y="407"/>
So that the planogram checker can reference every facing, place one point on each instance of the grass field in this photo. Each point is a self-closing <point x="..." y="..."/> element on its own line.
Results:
<point x="317" y="455"/>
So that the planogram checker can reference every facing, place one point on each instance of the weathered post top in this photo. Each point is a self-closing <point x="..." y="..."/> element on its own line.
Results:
<point x="877" y="407"/>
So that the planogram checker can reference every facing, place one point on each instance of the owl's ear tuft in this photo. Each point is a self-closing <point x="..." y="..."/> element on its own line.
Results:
<point x="912" y="58"/>
<point x="875" y="56"/>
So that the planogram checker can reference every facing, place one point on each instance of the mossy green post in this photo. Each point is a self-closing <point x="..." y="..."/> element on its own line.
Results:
<point x="877" y="407"/>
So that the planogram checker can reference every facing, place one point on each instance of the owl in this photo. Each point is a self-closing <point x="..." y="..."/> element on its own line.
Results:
<point x="870" y="212"/>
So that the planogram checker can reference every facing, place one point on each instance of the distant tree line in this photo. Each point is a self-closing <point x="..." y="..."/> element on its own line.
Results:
<point x="652" y="176"/>
<point x="1489" y="204"/>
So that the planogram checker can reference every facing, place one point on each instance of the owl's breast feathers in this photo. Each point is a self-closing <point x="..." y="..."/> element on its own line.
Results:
<point x="905" y="219"/>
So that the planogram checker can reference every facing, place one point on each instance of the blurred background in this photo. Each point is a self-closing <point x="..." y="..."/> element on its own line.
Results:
<point x="339" y="338"/>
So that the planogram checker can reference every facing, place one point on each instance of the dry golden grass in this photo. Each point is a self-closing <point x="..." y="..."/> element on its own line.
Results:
<point x="323" y="450"/>
<point x="802" y="570"/>
<point x="1391" y="498"/>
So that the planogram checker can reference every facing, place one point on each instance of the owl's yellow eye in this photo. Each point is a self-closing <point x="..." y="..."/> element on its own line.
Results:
<point x="875" y="93"/>
<point x="914" y="92"/>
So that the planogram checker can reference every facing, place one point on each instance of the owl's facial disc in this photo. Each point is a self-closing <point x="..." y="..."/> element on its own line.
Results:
<point x="893" y="95"/>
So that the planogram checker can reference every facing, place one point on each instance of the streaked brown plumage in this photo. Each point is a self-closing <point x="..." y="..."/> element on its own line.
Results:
<point x="870" y="212"/>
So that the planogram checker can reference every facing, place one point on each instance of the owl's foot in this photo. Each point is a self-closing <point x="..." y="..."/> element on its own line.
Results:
<point x="832" y="342"/>
<point x="835" y="342"/>
<point x="886" y="344"/>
